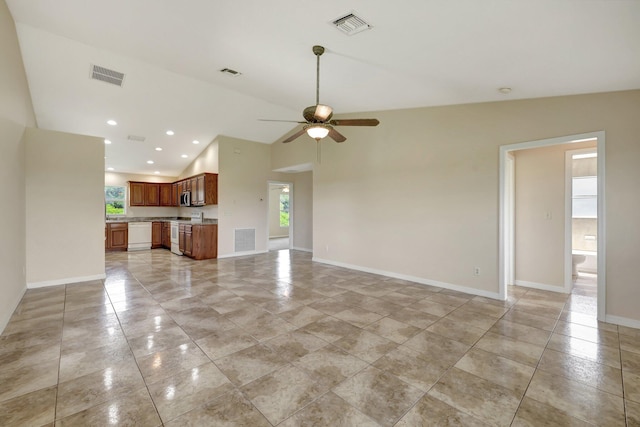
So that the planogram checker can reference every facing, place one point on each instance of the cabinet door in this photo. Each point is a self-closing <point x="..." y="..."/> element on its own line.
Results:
<point x="136" y="193"/>
<point x="166" y="192"/>
<point x="188" y="240"/>
<point x="210" y="189"/>
<point x="204" y="241"/>
<point x="181" y="237"/>
<point x="152" y="194"/>
<point x="175" y="195"/>
<point x="166" y="235"/>
<point x="156" y="235"/>
<point x="117" y="236"/>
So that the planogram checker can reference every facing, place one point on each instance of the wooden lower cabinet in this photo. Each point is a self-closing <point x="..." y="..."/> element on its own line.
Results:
<point x="166" y="235"/>
<point x="117" y="235"/>
<point x="199" y="241"/>
<point x="156" y="235"/>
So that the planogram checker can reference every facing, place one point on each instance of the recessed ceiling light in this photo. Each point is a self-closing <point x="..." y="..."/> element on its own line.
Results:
<point x="157" y="172"/>
<point x="112" y="122"/>
<point x="170" y="132"/>
<point x="184" y="156"/>
<point x="110" y="169"/>
<point x="505" y="90"/>
<point x="158" y="149"/>
<point x="106" y="141"/>
<point x="196" y="142"/>
<point x="150" y="162"/>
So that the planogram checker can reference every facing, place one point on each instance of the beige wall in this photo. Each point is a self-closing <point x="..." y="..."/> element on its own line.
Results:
<point x="302" y="210"/>
<point x="116" y="179"/>
<point x="64" y="207"/>
<point x="16" y="113"/>
<point x="540" y="190"/>
<point x="418" y="195"/>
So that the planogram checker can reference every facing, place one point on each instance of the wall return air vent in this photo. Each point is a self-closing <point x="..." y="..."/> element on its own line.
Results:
<point x="106" y="75"/>
<point x="351" y="24"/>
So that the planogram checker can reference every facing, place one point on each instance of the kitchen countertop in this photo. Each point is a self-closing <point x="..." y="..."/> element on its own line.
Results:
<point x="158" y="219"/>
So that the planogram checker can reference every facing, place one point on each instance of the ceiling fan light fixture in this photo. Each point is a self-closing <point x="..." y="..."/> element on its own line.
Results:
<point x="317" y="131"/>
<point x="323" y="112"/>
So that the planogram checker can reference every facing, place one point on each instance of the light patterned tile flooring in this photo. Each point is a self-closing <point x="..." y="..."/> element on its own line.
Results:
<point x="276" y="339"/>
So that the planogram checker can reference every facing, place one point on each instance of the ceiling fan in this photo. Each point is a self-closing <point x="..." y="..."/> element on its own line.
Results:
<point x="318" y="123"/>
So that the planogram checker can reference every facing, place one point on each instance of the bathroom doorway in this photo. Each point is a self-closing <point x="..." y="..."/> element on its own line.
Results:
<point x="582" y="180"/>
<point x="549" y="217"/>
<point x="280" y="216"/>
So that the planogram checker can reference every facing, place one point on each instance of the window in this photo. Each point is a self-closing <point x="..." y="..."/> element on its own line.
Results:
<point x="585" y="197"/>
<point x="284" y="209"/>
<point x="115" y="200"/>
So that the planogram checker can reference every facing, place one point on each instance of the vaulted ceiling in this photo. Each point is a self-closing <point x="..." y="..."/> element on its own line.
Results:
<point x="416" y="53"/>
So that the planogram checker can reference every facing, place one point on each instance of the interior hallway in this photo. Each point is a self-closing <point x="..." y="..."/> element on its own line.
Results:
<point x="276" y="339"/>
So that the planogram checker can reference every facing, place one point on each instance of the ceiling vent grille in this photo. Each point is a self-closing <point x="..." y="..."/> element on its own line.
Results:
<point x="231" y="72"/>
<point x="351" y="24"/>
<point x="136" y="138"/>
<point x="106" y="75"/>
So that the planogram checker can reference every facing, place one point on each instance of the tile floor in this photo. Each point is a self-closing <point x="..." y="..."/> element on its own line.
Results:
<point x="276" y="339"/>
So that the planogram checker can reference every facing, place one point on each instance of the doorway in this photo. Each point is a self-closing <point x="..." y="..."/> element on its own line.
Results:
<point x="507" y="219"/>
<point x="280" y="216"/>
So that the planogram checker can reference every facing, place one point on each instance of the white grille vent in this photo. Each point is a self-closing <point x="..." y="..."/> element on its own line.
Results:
<point x="351" y="24"/>
<point x="136" y="138"/>
<point x="106" y="75"/>
<point x="231" y="72"/>
<point x="245" y="239"/>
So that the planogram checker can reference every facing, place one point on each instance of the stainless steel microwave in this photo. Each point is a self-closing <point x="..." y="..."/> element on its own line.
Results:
<point x="185" y="198"/>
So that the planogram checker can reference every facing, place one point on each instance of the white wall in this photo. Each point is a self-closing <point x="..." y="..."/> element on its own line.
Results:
<point x="417" y="196"/>
<point x="118" y="179"/>
<point x="64" y="207"/>
<point x="16" y="113"/>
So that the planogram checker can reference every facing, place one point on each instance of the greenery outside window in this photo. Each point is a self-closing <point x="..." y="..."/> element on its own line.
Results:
<point x="284" y="209"/>
<point x="115" y="200"/>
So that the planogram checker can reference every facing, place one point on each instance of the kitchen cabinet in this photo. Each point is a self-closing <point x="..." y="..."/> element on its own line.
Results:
<point x="166" y="235"/>
<point x="175" y="194"/>
<point x="136" y="193"/>
<point x="188" y="242"/>
<point x="166" y="194"/>
<point x="181" y="237"/>
<point x="156" y="235"/>
<point x="199" y="241"/>
<point x="204" y="189"/>
<point x="117" y="236"/>
<point x="151" y="194"/>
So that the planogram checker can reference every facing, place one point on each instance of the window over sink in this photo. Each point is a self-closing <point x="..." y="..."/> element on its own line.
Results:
<point x="115" y="200"/>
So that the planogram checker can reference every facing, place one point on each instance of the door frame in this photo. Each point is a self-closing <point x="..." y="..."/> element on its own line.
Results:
<point x="506" y="251"/>
<point x="291" y="213"/>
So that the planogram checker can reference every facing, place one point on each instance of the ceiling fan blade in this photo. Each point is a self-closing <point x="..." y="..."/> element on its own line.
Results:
<point x="294" y="136"/>
<point x="355" y="122"/>
<point x="336" y="136"/>
<point x="322" y="113"/>
<point x="283" y="121"/>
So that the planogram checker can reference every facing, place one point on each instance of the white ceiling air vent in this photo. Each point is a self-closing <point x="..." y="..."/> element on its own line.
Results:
<point x="136" y="138"/>
<point x="351" y="24"/>
<point x="231" y="72"/>
<point x="106" y="75"/>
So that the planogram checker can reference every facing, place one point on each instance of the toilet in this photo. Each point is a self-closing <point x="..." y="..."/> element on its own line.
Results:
<point x="576" y="260"/>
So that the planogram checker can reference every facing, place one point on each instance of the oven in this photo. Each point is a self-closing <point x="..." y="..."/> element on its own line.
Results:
<point x="175" y="237"/>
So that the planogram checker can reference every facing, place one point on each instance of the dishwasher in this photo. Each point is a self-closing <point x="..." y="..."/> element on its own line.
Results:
<point x="139" y="236"/>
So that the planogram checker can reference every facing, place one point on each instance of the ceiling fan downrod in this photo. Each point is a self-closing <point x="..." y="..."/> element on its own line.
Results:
<point x="318" y="50"/>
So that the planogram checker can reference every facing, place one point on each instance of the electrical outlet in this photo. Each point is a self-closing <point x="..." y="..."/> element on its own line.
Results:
<point x="476" y="271"/>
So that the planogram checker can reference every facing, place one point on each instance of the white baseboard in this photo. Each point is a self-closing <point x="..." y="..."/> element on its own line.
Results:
<point x="278" y="237"/>
<point x="65" y="281"/>
<point x="5" y="317"/>
<point x="237" y="254"/>
<point x="622" y="321"/>
<point x="419" y="280"/>
<point x="302" y="249"/>
<point x="541" y="286"/>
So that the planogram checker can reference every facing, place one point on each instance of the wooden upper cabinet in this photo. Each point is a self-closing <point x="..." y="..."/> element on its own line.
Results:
<point x="152" y="194"/>
<point x="175" y="194"/>
<point x="166" y="194"/>
<point x="204" y="189"/>
<point x="136" y="193"/>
